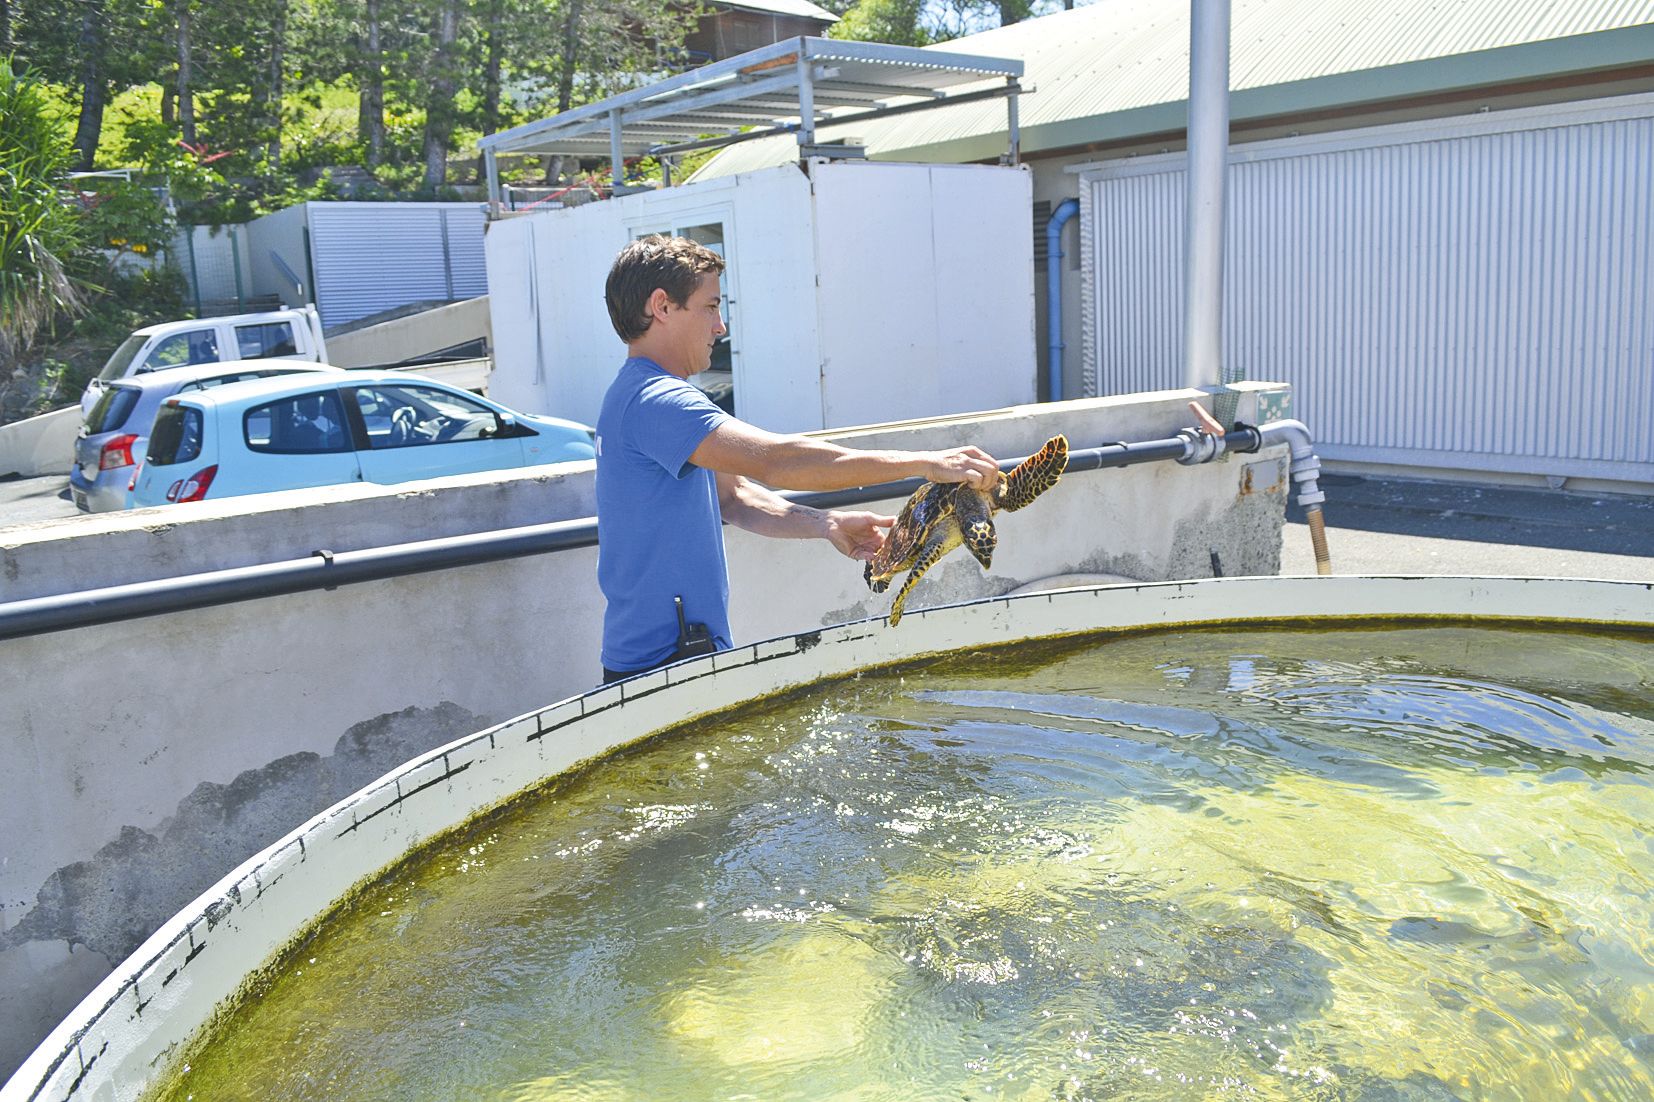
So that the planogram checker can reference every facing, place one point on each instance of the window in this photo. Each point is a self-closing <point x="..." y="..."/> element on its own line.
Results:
<point x="176" y="437"/>
<point x="116" y="365"/>
<point x="112" y="409"/>
<point x="198" y="346"/>
<point x="301" y="424"/>
<point x="269" y="339"/>
<point x="401" y="415"/>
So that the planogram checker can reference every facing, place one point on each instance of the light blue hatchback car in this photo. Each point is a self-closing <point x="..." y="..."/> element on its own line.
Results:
<point x="115" y="434"/>
<point x="362" y="426"/>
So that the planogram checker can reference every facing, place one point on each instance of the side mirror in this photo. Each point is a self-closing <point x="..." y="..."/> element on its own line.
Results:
<point x="508" y="426"/>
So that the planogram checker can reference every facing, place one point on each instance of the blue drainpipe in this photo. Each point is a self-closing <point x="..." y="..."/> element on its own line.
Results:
<point x="1053" y="294"/>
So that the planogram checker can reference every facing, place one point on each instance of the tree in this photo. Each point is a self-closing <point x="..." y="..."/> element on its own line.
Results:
<point x="894" y="21"/>
<point x="439" y="104"/>
<point x="38" y="232"/>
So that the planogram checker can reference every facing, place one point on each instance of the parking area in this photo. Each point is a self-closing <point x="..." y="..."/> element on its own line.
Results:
<point x="27" y="500"/>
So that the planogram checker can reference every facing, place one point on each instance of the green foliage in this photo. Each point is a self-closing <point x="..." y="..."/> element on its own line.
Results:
<point x="120" y="217"/>
<point x="39" y="233"/>
<point x="894" y="21"/>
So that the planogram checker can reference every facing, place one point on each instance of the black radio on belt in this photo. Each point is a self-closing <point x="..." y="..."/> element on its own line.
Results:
<point x="693" y="639"/>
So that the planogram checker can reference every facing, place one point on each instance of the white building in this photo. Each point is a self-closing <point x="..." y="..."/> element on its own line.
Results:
<point x="1439" y="230"/>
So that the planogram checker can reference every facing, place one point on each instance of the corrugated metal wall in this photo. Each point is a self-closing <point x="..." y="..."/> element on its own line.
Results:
<point x="1474" y="293"/>
<point x="370" y="257"/>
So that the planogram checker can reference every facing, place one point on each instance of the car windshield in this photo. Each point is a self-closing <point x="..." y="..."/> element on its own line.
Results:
<point x="115" y="367"/>
<point x="112" y="409"/>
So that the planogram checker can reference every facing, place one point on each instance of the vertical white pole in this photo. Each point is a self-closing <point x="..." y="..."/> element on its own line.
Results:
<point x="1208" y="157"/>
<point x="617" y="158"/>
<point x="806" y="99"/>
<point x="492" y="165"/>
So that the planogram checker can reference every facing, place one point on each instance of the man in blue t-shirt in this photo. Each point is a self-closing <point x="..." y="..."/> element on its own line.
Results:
<point x="672" y="467"/>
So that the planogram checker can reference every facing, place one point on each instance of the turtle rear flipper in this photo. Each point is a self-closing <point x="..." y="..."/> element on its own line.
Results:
<point x="1034" y="475"/>
<point x="935" y="547"/>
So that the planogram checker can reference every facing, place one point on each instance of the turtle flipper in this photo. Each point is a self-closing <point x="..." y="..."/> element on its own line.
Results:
<point x="1034" y="475"/>
<point x="975" y="527"/>
<point x="934" y="548"/>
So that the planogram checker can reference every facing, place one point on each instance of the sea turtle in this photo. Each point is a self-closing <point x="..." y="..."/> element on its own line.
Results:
<point x="942" y="515"/>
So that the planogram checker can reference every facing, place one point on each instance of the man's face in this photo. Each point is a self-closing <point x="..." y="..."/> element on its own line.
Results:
<point x="694" y="328"/>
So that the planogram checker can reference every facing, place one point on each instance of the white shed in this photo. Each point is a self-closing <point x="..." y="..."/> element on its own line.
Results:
<point x="856" y="292"/>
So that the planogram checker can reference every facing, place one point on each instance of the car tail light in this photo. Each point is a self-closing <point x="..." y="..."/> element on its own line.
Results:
<point x="193" y="488"/>
<point x="117" y="452"/>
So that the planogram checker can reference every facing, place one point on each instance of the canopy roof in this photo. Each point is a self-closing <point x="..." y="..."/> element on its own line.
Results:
<point x="766" y="90"/>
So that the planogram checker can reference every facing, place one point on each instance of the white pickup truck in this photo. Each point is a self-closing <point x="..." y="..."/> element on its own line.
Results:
<point x="294" y="334"/>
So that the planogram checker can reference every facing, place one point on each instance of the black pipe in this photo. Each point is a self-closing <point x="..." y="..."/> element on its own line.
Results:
<point x="329" y="569"/>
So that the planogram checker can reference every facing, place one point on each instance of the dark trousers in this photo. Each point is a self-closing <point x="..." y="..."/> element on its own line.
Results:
<point x="611" y="676"/>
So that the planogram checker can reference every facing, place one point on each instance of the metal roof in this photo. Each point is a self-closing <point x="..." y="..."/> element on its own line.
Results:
<point x="1120" y="68"/>
<point x="759" y="88"/>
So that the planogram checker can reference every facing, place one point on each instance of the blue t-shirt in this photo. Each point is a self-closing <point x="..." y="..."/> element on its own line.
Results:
<point x="659" y="529"/>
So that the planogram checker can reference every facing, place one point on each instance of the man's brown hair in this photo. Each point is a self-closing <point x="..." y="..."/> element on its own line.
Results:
<point x="673" y="264"/>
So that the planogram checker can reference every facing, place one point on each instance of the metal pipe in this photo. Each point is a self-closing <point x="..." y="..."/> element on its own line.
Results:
<point x="617" y="158"/>
<point x="1305" y="471"/>
<point x="1067" y="209"/>
<point x="1208" y="158"/>
<point x="329" y="569"/>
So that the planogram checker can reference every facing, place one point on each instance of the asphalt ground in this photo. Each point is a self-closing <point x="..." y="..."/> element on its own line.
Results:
<point x="1399" y="526"/>
<point x="1374" y="526"/>
<point x="25" y="500"/>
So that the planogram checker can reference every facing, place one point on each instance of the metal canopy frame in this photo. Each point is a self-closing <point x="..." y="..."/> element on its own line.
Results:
<point x="795" y="86"/>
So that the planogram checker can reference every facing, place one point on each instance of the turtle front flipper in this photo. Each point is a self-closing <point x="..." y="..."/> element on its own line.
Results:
<point x="935" y="546"/>
<point x="1033" y="476"/>
<point x="975" y="527"/>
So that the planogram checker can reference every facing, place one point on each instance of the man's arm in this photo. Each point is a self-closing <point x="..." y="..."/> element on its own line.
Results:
<point x="748" y="505"/>
<point x="805" y="463"/>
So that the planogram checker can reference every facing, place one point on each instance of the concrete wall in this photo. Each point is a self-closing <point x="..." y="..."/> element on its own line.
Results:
<point x="144" y="759"/>
<point x="391" y="342"/>
<point x="40" y="445"/>
<point x="281" y="233"/>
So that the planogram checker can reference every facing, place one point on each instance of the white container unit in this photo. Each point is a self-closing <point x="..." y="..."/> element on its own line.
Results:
<point x="856" y="292"/>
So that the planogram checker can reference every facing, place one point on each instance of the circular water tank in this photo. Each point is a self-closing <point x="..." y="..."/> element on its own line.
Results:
<point x="120" y="1039"/>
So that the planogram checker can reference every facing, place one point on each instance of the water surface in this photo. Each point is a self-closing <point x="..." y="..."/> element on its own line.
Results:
<point x="1397" y="864"/>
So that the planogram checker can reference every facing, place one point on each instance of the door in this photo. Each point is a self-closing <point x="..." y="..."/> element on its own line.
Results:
<point x="292" y="442"/>
<point x="720" y="381"/>
<point x="415" y="430"/>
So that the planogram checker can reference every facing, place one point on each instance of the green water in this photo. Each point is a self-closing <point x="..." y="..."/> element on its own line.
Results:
<point x="1399" y="864"/>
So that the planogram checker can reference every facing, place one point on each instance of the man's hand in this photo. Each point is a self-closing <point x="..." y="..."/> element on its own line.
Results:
<point x="858" y="535"/>
<point x="968" y="464"/>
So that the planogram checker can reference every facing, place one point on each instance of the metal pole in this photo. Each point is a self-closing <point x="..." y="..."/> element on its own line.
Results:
<point x="1208" y="157"/>
<point x="617" y="159"/>
<point x="492" y="166"/>
<point x="235" y="259"/>
<point x="1013" y="120"/>
<point x="806" y="99"/>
